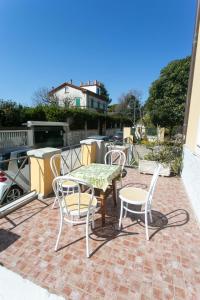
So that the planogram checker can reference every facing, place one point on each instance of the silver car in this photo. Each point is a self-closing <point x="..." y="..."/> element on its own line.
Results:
<point x="14" y="174"/>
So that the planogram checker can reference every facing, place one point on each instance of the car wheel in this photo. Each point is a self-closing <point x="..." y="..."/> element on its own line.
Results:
<point x="14" y="193"/>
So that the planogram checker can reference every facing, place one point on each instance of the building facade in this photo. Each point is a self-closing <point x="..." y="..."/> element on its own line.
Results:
<point x="87" y="96"/>
<point x="191" y="160"/>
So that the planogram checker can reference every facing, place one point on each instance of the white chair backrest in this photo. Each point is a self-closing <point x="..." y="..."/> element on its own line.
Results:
<point x="60" y="193"/>
<point x="54" y="164"/>
<point x="115" y="157"/>
<point x="153" y="183"/>
<point x="61" y="169"/>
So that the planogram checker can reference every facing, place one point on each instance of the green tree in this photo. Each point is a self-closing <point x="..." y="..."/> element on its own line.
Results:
<point x="10" y="113"/>
<point x="112" y="108"/>
<point x="130" y="106"/>
<point x="105" y="93"/>
<point x="167" y="95"/>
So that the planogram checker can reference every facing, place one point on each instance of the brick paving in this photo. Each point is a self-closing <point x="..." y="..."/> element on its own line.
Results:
<point x="123" y="265"/>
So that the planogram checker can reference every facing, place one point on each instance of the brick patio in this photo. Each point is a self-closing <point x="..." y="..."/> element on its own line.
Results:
<point x="123" y="265"/>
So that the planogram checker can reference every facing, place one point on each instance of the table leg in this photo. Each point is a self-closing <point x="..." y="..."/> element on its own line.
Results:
<point x="103" y="208"/>
<point x="114" y="192"/>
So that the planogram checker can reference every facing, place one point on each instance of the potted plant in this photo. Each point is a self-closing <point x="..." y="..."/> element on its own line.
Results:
<point x="169" y="156"/>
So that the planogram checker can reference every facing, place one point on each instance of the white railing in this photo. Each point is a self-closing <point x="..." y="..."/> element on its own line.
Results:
<point x="10" y="138"/>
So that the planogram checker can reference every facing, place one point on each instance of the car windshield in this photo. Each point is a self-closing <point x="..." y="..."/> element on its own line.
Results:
<point x="4" y="165"/>
<point x="119" y="133"/>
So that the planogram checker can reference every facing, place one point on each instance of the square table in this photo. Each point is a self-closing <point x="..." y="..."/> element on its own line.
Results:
<point x="100" y="176"/>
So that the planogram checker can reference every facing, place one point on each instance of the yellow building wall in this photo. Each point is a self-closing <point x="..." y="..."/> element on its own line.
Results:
<point x="88" y="154"/>
<point x="194" y="112"/>
<point x="41" y="175"/>
<point x="127" y="134"/>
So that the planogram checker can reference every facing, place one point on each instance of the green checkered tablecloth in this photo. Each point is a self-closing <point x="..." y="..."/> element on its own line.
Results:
<point x="99" y="175"/>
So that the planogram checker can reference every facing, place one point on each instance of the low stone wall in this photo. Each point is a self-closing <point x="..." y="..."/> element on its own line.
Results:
<point x="191" y="179"/>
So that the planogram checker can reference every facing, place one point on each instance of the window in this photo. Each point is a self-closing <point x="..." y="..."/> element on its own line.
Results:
<point x="78" y="102"/>
<point x="92" y="103"/>
<point x="98" y="105"/>
<point x="21" y="160"/>
<point x="4" y="165"/>
<point x="98" y="91"/>
<point x="66" y="89"/>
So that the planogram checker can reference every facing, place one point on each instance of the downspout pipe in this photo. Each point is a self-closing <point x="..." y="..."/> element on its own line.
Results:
<point x="191" y="75"/>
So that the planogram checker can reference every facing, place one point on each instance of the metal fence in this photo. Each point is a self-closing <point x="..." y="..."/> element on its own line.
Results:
<point x="15" y="172"/>
<point x="10" y="138"/>
<point x="130" y="149"/>
<point x="70" y="158"/>
<point x="14" y="178"/>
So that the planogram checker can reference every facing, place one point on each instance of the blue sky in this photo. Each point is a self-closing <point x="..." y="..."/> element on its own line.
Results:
<point x="121" y="43"/>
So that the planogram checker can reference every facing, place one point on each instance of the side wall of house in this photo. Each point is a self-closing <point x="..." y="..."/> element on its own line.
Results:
<point x="96" y="103"/>
<point x="87" y="101"/>
<point x="72" y="94"/>
<point x="191" y="161"/>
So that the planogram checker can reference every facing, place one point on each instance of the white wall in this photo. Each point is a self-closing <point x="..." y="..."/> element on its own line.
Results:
<point x="92" y="88"/>
<point x="191" y="178"/>
<point x="85" y="100"/>
<point x="72" y="93"/>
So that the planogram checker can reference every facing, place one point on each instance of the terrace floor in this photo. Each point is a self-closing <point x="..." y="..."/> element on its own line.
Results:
<point x="123" y="265"/>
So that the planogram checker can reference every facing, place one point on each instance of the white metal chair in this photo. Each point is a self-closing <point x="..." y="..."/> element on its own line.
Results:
<point x="116" y="157"/>
<point x="60" y="167"/>
<point x="138" y="196"/>
<point x="74" y="207"/>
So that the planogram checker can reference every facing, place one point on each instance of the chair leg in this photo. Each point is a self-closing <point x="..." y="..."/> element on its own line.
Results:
<point x="93" y="219"/>
<point x="72" y="218"/>
<point x="59" y="233"/>
<point x="125" y="214"/>
<point x="150" y="215"/>
<point x="146" y="225"/>
<point x="54" y="203"/>
<point x="121" y="213"/>
<point x="87" y="237"/>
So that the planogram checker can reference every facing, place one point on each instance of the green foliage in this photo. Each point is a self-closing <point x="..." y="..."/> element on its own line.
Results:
<point x="12" y="114"/>
<point x="151" y="131"/>
<point x="147" y="120"/>
<point x="167" y="94"/>
<point x="105" y="93"/>
<point x="168" y="155"/>
<point x="130" y="106"/>
<point x="112" y="108"/>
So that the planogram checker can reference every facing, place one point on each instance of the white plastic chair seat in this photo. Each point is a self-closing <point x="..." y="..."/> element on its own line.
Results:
<point x="72" y="204"/>
<point x="138" y="196"/>
<point x="133" y="195"/>
<point x="69" y="184"/>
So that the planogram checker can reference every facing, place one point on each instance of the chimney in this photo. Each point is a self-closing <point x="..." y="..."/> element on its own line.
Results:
<point x="81" y="83"/>
<point x="71" y="81"/>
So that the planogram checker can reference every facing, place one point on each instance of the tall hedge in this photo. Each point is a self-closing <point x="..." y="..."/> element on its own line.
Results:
<point x="12" y="114"/>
